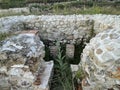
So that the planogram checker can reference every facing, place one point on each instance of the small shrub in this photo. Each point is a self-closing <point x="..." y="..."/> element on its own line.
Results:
<point x="3" y="36"/>
<point x="63" y="76"/>
<point x="80" y="74"/>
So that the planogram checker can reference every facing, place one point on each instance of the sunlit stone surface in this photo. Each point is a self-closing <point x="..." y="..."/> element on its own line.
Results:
<point x="21" y="60"/>
<point x="101" y="61"/>
<point x="100" y="58"/>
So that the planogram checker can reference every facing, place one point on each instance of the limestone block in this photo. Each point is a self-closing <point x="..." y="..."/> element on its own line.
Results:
<point x="70" y="50"/>
<point x="101" y="61"/>
<point x="74" y="69"/>
<point x="53" y="51"/>
<point x="46" y="77"/>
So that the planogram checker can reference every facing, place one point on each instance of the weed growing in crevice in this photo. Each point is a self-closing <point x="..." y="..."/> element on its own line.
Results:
<point x="79" y="76"/>
<point x="92" y="33"/>
<point x="62" y="79"/>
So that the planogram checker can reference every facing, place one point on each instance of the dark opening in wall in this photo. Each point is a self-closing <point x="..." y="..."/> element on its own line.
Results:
<point x="51" y="51"/>
<point x="47" y="50"/>
<point x="78" y="50"/>
<point x="62" y="72"/>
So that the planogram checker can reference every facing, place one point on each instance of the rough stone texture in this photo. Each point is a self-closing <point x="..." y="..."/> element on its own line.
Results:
<point x="105" y="22"/>
<point x="53" y="51"/>
<point x="74" y="69"/>
<point x="57" y="27"/>
<point x="25" y="48"/>
<point x="101" y="62"/>
<point x="68" y="29"/>
<point x="100" y="57"/>
<point x="46" y="76"/>
<point x="25" y="82"/>
<point x="60" y="27"/>
<point x="21" y="59"/>
<point x="70" y="50"/>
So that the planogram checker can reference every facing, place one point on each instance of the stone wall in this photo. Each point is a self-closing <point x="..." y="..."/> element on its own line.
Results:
<point x="59" y="27"/>
<point x="22" y="66"/>
<point x="104" y="22"/>
<point x="63" y="28"/>
<point x="70" y="29"/>
<point x="101" y="61"/>
<point x="100" y="58"/>
<point x="53" y="28"/>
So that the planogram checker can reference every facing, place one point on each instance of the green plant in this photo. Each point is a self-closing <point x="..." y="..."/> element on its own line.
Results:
<point x="67" y="84"/>
<point x="12" y="3"/>
<point x="63" y="74"/>
<point x="61" y="66"/>
<point x="80" y="74"/>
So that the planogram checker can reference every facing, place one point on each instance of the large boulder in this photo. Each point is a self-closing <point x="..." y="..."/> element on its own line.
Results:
<point x="101" y="62"/>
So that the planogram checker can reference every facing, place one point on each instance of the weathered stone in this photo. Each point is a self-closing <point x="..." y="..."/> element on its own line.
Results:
<point x="4" y="85"/>
<point x="101" y="64"/>
<point x="37" y="24"/>
<point x="117" y="52"/>
<point x="99" y="51"/>
<point x="3" y="56"/>
<point x="53" y="50"/>
<point x="21" y="57"/>
<point x="104" y="36"/>
<point x="109" y="48"/>
<point x="21" y="49"/>
<point x="70" y="37"/>
<point x="106" y="56"/>
<point x="70" y="50"/>
<point x="51" y="27"/>
<point x="69" y="29"/>
<point x="19" y="74"/>
<point x="114" y="36"/>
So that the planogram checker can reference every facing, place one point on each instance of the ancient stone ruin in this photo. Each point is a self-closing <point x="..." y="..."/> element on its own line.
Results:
<point x="22" y="54"/>
<point x="21" y="61"/>
<point x="101" y="61"/>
